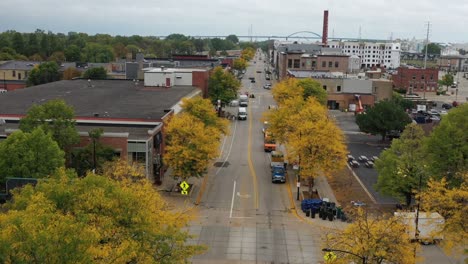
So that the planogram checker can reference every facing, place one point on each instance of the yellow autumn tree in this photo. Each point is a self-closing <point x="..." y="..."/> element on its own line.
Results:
<point x="204" y="111"/>
<point x="191" y="145"/>
<point x="287" y="89"/>
<point x="377" y="239"/>
<point x="451" y="203"/>
<point x="95" y="219"/>
<point x="310" y="136"/>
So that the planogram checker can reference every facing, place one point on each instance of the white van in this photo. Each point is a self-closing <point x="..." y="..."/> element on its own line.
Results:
<point x="242" y="113"/>
<point x="243" y="100"/>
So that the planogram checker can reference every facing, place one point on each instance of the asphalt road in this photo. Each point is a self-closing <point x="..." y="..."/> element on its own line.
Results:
<point x="243" y="217"/>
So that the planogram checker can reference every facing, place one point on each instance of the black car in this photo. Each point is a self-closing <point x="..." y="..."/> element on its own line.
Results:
<point x="446" y="106"/>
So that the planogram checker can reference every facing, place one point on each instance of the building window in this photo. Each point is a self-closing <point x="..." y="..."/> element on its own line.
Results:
<point x="330" y="64"/>
<point x="338" y="88"/>
<point x="314" y="63"/>
<point x="432" y="77"/>
<point x="414" y="77"/>
<point x="14" y="73"/>
<point x="324" y="64"/>
<point x="19" y="75"/>
<point x="297" y="64"/>
<point x="336" y="64"/>
<point x="422" y="77"/>
<point x="289" y="63"/>
<point x="303" y="65"/>
<point x="325" y="87"/>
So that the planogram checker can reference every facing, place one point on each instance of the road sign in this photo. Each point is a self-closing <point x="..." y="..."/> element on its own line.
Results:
<point x="184" y="185"/>
<point x="298" y="184"/>
<point x="329" y="256"/>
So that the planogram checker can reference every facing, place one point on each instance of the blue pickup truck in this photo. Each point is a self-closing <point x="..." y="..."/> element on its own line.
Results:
<point x="278" y="174"/>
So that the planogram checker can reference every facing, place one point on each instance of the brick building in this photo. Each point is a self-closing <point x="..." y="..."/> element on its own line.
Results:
<point x="416" y="80"/>
<point x="130" y="114"/>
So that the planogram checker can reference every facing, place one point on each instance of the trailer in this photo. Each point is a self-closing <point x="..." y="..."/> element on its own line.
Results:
<point x="430" y="226"/>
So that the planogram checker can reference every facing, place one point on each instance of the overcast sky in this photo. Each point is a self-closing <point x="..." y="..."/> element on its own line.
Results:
<point x="378" y="19"/>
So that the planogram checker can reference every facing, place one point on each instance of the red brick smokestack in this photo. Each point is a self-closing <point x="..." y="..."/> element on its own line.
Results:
<point x="325" y="27"/>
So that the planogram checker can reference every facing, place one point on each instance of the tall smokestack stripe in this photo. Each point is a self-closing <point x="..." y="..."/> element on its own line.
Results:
<point x="325" y="27"/>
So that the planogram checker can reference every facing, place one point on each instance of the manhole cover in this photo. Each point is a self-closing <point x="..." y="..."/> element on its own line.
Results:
<point x="221" y="164"/>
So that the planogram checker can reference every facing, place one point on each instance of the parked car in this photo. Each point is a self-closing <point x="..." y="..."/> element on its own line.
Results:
<point x="358" y="203"/>
<point x="369" y="164"/>
<point x="354" y="164"/>
<point x="446" y="106"/>
<point x="363" y="158"/>
<point x="259" y="71"/>
<point x="350" y="158"/>
<point x="373" y="158"/>
<point x="267" y="86"/>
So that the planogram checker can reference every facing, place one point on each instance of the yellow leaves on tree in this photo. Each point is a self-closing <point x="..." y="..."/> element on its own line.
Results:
<point x="190" y="145"/>
<point x="379" y="240"/>
<point x="94" y="219"/>
<point x="204" y="111"/>
<point x="310" y="134"/>
<point x="451" y="203"/>
<point x="287" y="89"/>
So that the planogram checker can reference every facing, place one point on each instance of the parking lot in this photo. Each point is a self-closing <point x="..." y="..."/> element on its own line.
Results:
<point x="363" y="144"/>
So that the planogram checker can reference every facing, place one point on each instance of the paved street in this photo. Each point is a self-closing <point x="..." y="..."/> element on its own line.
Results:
<point x="242" y="216"/>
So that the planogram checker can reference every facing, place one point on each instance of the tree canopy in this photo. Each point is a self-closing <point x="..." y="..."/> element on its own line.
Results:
<point x="203" y="110"/>
<point x="401" y="165"/>
<point x="190" y="145"/>
<point x="44" y="73"/>
<point x="54" y="117"/>
<point x="432" y="48"/>
<point x="446" y="80"/>
<point x="94" y="219"/>
<point x="447" y="146"/>
<point x="29" y="155"/>
<point x="223" y="86"/>
<point x="384" y="117"/>
<point x="377" y="239"/>
<point x="98" y="73"/>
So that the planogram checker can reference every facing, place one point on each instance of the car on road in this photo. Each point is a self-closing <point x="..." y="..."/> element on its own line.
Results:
<point x="363" y="158"/>
<point x="252" y="80"/>
<point x="267" y="86"/>
<point x="369" y="164"/>
<point x="350" y="158"/>
<point x="258" y="71"/>
<point x="358" y="203"/>
<point x="354" y="164"/>
<point x="373" y="158"/>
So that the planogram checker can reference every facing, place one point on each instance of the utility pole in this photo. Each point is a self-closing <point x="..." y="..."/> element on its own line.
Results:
<point x="425" y="59"/>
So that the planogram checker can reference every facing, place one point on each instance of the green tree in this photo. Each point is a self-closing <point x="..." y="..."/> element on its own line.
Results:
<point x="56" y="118"/>
<point x="190" y="145"/>
<point x="57" y="56"/>
<point x="223" y="86"/>
<point x="402" y="165"/>
<point x="95" y="73"/>
<point x="384" y="117"/>
<point x="94" y="219"/>
<point x="94" y="52"/>
<point x="432" y="48"/>
<point x="447" y="146"/>
<point x="314" y="89"/>
<point x="72" y="53"/>
<point x="233" y="38"/>
<point x="93" y="156"/>
<point x="44" y="73"/>
<point x="33" y="44"/>
<point x="446" y="80"/>
<point x="29" y="155"/>
<point x="399" y="100"/>
<point x="18" y="43"/>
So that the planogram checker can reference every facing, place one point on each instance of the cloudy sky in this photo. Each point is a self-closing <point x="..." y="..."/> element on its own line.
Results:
<point x="378" y="19"/>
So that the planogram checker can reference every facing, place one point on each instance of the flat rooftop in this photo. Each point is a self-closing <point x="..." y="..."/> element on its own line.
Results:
<point x="99" y="99"/>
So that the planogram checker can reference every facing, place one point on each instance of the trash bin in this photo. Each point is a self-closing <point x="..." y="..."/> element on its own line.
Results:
<point x="312" y="215"/>
<point x="308" y="213"/>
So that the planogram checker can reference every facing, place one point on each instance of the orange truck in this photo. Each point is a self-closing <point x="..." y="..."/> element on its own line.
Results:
<point x="269" y="143"/>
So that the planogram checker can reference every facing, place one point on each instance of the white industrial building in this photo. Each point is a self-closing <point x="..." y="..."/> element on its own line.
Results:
<point x="371" y="53"/>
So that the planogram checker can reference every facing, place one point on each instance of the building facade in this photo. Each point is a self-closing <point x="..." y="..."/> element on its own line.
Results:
<point x="371" y="54"/>
<point x="414" y="80"/>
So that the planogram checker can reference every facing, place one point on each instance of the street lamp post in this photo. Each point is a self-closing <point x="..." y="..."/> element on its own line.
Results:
<point x="364" y="261"/>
